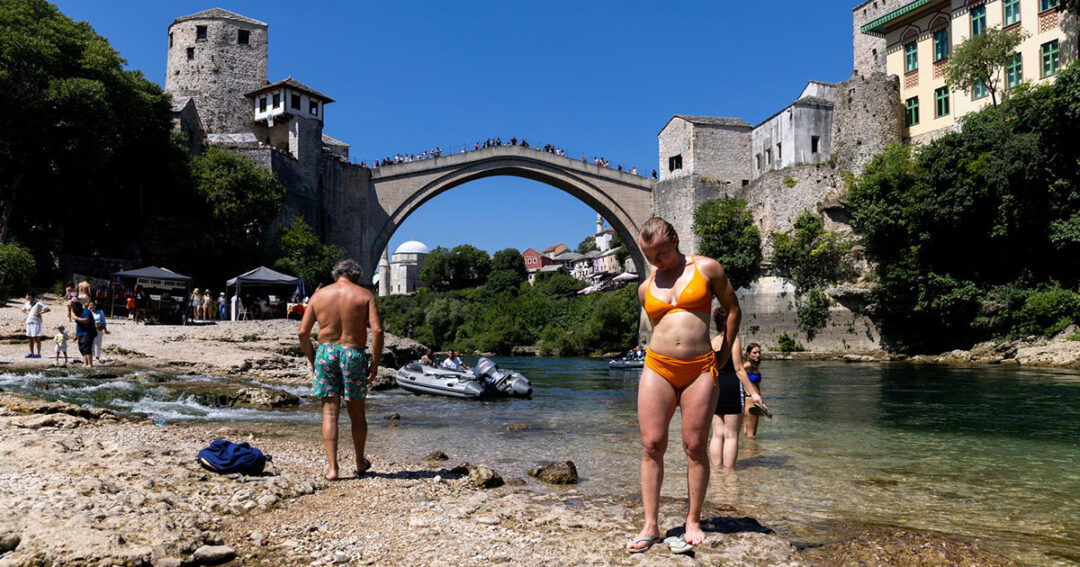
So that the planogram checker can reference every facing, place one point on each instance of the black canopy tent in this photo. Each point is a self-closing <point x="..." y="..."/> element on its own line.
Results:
<point x="154" y="278"/>
<point x="260" y="277"/>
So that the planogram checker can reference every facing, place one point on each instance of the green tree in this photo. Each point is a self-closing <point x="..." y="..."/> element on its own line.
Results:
<point x="243" y="197"/>
<point x="469" y="266"/>
<point x="728" y="234"/>
<point x="509" y="259"/>
<point x="964" y="230"/>
<point x="587" y="245"/>
<point x="1071" y="6"/>
<point x="981" y="59"/>
<point x="303" y="254"/>
<point x="77" y="128"/>
<point x="435" y="270"/>
<point x="17" y="267"/>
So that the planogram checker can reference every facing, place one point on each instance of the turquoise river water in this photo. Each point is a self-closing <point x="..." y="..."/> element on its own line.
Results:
<point x="989" y="454"/>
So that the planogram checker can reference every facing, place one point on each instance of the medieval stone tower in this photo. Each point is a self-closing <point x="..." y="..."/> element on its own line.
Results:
<point x="216" y="57"/>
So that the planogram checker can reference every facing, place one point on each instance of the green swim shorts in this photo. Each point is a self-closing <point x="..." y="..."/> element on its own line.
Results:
<point x="340" y="371"/>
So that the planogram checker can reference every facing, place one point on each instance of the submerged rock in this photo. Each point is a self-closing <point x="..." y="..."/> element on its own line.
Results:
<point x="556" y="473"/>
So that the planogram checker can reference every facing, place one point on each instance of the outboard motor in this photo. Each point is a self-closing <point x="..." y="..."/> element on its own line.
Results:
<point x="505" y="381"/>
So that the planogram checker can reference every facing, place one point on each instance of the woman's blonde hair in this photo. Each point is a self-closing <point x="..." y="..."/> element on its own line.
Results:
<point x="657" y="225"/>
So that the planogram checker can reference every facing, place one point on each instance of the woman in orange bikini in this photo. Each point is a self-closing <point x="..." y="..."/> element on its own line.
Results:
<point x="680" y="371"/>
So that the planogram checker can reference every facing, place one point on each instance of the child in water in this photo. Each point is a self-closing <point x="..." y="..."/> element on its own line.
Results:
<point x="61" y="340"/>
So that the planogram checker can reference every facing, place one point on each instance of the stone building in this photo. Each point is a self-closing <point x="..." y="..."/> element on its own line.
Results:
<point x="401" y="275"/>
<point x="800" y="133"/>
<point x="919" y="35"/>
<point x="216" y="73"/>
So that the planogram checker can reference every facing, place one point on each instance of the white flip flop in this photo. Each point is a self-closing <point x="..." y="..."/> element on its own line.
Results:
<point x="678" y="545"/>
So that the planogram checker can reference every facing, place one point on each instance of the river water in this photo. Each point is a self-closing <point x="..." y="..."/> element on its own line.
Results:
<point x="990" y="454"/>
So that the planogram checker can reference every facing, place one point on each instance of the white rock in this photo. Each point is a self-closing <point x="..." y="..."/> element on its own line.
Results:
<point x="487" y="520"/>
<point x="340" y="557"/>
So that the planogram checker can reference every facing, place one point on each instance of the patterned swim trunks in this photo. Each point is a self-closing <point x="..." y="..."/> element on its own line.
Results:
<point x="340" y="371"/>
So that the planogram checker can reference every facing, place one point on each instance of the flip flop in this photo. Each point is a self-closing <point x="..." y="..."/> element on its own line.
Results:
<point x="678" y="545"/>
<point x="651" y="541"/>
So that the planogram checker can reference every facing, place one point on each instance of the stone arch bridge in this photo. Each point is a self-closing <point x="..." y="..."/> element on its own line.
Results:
<point x="624" y="199"/>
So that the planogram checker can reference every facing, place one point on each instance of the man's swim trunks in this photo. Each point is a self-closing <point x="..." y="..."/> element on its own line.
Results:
<point x="340" y="371"/>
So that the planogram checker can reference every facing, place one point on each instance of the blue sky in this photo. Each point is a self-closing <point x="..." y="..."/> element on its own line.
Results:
<point x="595" y="77"/>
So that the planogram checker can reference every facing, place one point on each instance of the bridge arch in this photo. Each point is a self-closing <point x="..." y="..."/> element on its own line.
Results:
<point x="622" y="198"/>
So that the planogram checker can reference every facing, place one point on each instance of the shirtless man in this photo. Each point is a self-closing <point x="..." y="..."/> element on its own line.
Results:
<point x="341" y="366"/>
<point x="83" y="291"/>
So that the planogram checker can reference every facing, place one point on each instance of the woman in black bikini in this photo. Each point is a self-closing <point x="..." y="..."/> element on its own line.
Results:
<point x="732" y="381"/>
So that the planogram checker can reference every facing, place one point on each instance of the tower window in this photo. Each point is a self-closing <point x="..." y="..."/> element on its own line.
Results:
<point x="779" y="152"/>
<point x="296" y="101"/>
<point x="277" y="100"/>
<point x="190" y="53"/>
<point x="200" y="33"/>
<point x="243" y="37"/>
<point x="313" y="108"/>
<point x="674" y="162"/>
<point x="262" y="104"/>
<point x="170" y="39"/>
<point x="814" y="144"/>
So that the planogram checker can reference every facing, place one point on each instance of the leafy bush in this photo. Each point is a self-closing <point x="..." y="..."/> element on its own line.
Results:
<point x="786" y="343"/>
<point x="810" y="257"/>
<point x="304" y="255"/>
<point x="17" y="266"/>
<point x="812" y="312"/>
<point x="728" y="234"/>
<point x="1049" y="312"/>
<point x="790" y="182"/>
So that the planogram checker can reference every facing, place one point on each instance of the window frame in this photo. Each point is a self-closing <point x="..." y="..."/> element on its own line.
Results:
<point x="297" y="103"/>
<point x="911" y="111"/>
<point x="1016" y="63"/>
<point x="313" y="107"/>
<point x="202" y="33"/>
<point x="942" y="46"/>
<point x="276" y="100"/>
<point x="978" y="17"/>
<point x="191" y="54"/>
<point x="941" y="96"/>
<point x="1006" y="5"/>
<point x="1047" y="5"/>
<point x="243" y="37"/>
<point x="262" y="104"/>
<point x="979" y="90"/>
<point x="1054" y="57"/>
<point x="815" y="144"/>
<point x="911" y="56"/>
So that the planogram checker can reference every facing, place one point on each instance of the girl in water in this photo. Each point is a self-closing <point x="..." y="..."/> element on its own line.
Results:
<point x="753" y="372"/>
<point x="679" y="372"/>
<point x="732" y="382"/>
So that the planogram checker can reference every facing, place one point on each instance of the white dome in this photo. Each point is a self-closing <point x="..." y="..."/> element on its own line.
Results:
<point x="412" y="247"/>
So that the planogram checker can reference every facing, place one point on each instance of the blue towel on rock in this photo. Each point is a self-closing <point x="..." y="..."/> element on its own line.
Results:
<point x="226" y="457"/>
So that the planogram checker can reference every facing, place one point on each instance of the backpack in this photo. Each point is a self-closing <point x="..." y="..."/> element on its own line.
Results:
<point x="226" y="457"/>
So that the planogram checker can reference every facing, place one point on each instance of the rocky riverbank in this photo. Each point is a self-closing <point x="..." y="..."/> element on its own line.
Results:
<point x="86" y="487"/>
<point x="1060" y="351"/>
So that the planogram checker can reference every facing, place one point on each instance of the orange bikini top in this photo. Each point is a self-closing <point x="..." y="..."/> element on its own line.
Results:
<point x="695" y="297"/>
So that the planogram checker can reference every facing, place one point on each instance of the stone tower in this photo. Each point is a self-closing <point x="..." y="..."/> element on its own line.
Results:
<point x="216" y="57"/>
<point x="869" y="50"/>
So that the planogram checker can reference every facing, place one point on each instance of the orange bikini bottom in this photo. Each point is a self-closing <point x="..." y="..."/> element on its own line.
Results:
<point x="678" y="372"/>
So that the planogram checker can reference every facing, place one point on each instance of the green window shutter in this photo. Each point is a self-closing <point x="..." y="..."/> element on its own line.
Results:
<point x="1051" y="58"/>
<point x="941" y="44"/>
<point x="941" y="102"/>
<point x="911" y="56"/>
<point x="978" y="20"/>
<point x="912" y="106"/>
<point x="1014" y="72"/>
<point x="1012" y="12"/>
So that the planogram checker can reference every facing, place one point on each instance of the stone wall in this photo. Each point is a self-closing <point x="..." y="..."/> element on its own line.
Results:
<point x="768" y="309"/>
<point x="220" y="72"/>
<point x="674" y="200"/>
<point x="722" y="153"/>
<point x="869" y="51"/>
<point x="867" y="116"/>
<point x="676" y="139"/>
<point x="777" y="197"/>
<point x="344" y="190"/>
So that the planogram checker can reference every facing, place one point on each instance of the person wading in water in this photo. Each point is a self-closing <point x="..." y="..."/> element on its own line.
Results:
<point x="680" y="372"/>
<point x="341" y="366"/>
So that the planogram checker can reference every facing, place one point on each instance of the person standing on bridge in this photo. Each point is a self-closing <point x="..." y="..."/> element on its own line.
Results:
<point x="341" y="367"/>
<point x="680" y="372"/>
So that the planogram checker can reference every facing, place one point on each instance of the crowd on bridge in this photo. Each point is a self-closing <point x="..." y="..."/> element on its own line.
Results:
<point x="397" y="159"/>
